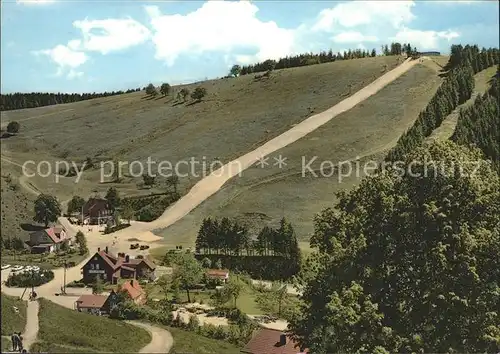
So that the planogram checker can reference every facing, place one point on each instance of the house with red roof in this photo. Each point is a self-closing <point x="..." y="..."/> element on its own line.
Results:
<point x="112" y="268"/>
<point x="48" y="240"/>
<point x="272" y="341"/>
<point x="134" y="291"/>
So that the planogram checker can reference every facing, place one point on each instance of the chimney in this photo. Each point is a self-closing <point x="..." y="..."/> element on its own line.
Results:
<point x="98" y="249"/>
<point x="282" y="339"/>
<point x="127" y="258"/>
<point x="106" y="249"/>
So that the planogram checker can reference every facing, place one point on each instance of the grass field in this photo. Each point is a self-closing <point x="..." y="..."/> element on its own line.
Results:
<point x="43" y="260"/>
<point x="13" y="321"/>
<point x="263" y="195"/>
<point x="68" y="329"/>
<point x="189" y="342"/>
<point x="16" y="204"/>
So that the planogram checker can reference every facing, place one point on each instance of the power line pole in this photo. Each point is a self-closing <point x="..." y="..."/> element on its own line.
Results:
<point x="64" y="285"/>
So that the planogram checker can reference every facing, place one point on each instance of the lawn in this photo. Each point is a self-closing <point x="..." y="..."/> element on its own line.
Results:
<point x="45" y="261"/>
<point x="68" y="328"/>
<point x="13" y="321"/>
<point x="190" y="342"/>
<point x="262" y="196"/>
<point x="44" y="347"/>
<point x="246" y="302"/>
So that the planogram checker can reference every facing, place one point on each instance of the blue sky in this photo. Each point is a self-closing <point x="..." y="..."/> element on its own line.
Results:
<point x="87" y="46"/>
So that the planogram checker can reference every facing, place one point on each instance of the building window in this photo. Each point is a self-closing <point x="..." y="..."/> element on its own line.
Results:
<point x="97" y="266"/>
<point x="91" y="265"/>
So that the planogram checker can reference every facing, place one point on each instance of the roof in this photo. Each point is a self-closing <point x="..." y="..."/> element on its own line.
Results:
<point x="53" y="233"/>
<point x="267" y="341"/>
<point x="134" y="262"/>
<point x="133" y="288"/>
<point x="92" y="301"/>
<point x="94" y="205"/>
<point x="119" y="262"/>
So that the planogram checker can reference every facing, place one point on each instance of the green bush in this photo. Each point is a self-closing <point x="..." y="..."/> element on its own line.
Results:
<point x="21" y="280"/>
<point x="76" y="284"/>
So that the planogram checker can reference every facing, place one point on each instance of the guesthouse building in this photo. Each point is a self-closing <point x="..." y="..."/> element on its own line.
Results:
<point x="111" y="268"/>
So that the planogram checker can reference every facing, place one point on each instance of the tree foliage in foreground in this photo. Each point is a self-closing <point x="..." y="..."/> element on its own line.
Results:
<point x="408" y="264"/>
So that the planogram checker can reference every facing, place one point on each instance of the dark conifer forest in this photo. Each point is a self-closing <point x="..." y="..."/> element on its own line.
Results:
<point x="20" y="100"/>
<point x="456" y="89"/>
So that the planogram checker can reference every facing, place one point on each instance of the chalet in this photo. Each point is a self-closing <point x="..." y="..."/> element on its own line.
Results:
<point x="96" y="210"/>
<point x="134" y="291"/>
<point x="48" y="240"/>
<point x="111" y="268"/>
<point x="271" y="341"/>
<point x="222" y="275"/>
<point x="96" y="304"/>
<point x="429" y="54"/>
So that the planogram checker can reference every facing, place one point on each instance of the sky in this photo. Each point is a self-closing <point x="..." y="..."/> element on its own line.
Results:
<point x="95" y="46"/>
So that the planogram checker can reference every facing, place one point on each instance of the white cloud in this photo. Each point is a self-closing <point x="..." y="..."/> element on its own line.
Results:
<point x="64" y="56"/>
<point x="357" y="13"/>
<point x="74" y="74"/>
<point x="424" y="39"/>
<point x="113" y="34"/>
<point x="35" y="2"/>
<point x="218" y="26"/>
<point x="352" y="37"/>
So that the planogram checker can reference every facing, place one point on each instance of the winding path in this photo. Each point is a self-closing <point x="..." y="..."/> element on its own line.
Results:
<point x="161" y="339"/>
<point x="31" y="331"/>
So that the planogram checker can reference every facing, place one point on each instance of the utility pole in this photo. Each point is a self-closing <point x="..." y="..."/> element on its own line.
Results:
<point x="64" y="285"/>
<point x="82" y="215"/>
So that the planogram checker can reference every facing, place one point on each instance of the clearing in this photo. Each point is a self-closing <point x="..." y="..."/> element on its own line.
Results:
<point x="447" y="127"/>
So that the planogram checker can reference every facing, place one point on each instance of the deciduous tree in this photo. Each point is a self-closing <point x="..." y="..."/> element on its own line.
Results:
<point x="47" y="209"/>
<point x="407" y="262"/>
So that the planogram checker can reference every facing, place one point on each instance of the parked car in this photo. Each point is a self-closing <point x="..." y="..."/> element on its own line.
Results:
<point x="144" y="247"/>
<point x="134" y="246"/>
<point x="17" y="268"/>
<point x="5" y="266"/>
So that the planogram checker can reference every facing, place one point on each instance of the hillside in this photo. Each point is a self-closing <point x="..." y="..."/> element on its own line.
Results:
<point x="263" y="196"/>
<point x="237" y="115"/>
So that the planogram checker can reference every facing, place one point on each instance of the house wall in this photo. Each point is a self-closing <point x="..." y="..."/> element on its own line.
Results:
<point x="97" y="266"/>
<point x="143" y="271"/>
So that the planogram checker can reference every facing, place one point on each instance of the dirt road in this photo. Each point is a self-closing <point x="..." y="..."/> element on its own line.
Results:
<point x="31" y="331"/>
<point x="161" y="341"/>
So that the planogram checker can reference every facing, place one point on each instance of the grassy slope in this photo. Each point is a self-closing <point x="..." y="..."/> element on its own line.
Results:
<point x="12" y="321"/>
<point x="71" y="329"/>
<point x="237" y="114"/>
<point x="262" y="196"/>
<point x="189" y="342"/>
<point x="16" y="205"/>
<point x="447" y="127"/>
